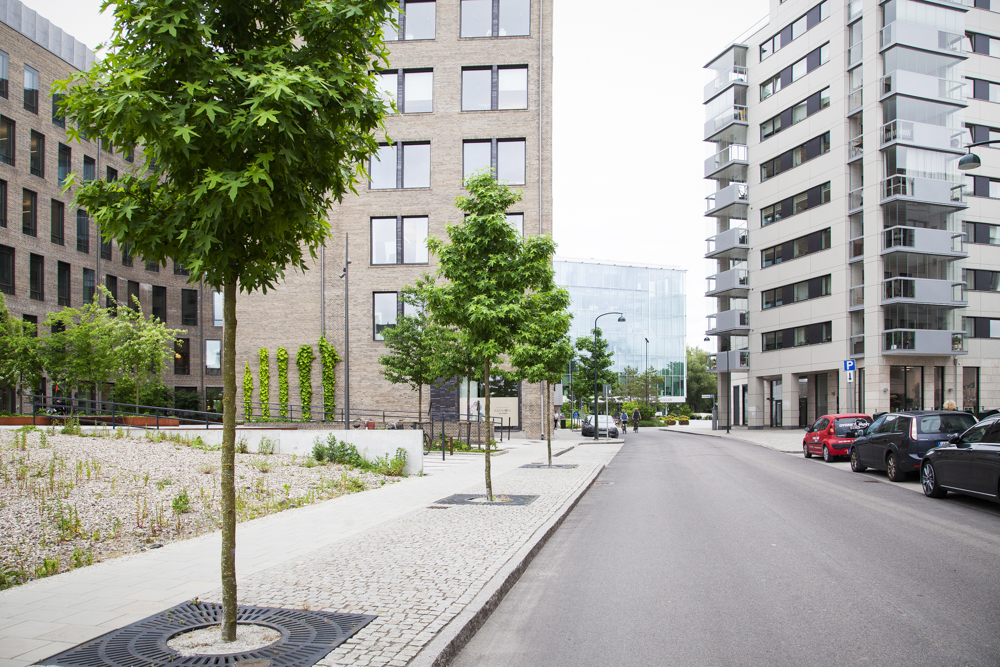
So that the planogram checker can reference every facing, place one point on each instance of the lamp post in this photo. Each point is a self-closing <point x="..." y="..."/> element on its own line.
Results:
<point x="347" y="336"/>
<point x="645" y="371"/>
<point x="621" y="318"/>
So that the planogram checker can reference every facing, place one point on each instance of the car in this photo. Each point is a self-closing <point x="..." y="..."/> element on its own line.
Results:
<point x="605" y="424"/>
<point x="830" y="435"/>
<point x="897" y="441"/>
<point x="969" y="464"/>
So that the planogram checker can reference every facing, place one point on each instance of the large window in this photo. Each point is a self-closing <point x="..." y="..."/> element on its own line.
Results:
<point x="126" y="251"/>
<point x="218" y="309"/>
<point x="800" y="291"/>
<point x="3" y="203"/>
<point x="65" y="163"/>
<point x="111" y="300"/>
<point x="189" y="307"/>
<point x="800" y="203"/>
<point x="89" y="168"/>
<point x="516" y="220"/>
<point x="182" y="356"/>
<point x="981" y="232"/>
<point x="82" y="231"/>
<point x="30" y="89"/>
<point x="399" y="240"/>
<point x="58" y="222"/>
<point x="486" y="18"/>
<point x="63" y="287"/>
<point x="88" y="285"/>
<point x="105" y="248"/>
<point x="385" y="306"/>
<point x="415" y="19"/>
<point x="7" y="141"/>
<point x="387" y="84"/>
<point x="133" y="295"/>
<point x="506" y="157"/>
<point x="6" y="269"/>
<point x="811" y="334"/>
<point x="794" y="30"/>
<point x="415" y="88"/>
<point x="36" y="156"/>
<point x="981" y="327"/>
<point x="159" y="309"/>
<point x="795" y="71"/>
<point x="213" y="357"/>
<point x="800" y="247"/>
<point x="404" y="165"/>
<point x="4" y="74"/>
<point x="793" y="158"/>
<point x="494" y="88"/>
<point x="36" y="277"/>
<point x="29" y="213"/>
<point x="980" y="280"/>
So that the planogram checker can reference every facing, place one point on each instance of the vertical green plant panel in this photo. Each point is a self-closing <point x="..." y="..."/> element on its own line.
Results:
<point x="283" y="381"/>
<point x="247" y="393"/>
<point x="264" y="374"/>
<point x="329" y="358"/>
<point x="304" y="360"/>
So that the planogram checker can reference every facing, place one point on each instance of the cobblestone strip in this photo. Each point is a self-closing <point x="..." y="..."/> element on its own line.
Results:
<point x="417" y="572"/>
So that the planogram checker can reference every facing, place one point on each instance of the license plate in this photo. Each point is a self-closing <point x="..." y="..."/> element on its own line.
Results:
<point x="942" y="443"/>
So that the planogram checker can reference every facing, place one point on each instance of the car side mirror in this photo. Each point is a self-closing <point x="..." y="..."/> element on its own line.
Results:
<point x="954" y="440"/>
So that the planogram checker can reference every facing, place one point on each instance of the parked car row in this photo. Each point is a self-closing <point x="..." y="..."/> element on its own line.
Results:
<point x="950" y="450"/>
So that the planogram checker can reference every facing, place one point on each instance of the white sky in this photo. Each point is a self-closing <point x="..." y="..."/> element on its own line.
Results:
<point x="628" y="118"/>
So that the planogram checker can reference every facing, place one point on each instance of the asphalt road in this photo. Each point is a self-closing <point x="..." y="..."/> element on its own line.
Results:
<point x="697" y="551"/>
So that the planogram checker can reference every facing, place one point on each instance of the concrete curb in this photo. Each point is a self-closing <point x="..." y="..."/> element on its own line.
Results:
<point x="441" y="650"/>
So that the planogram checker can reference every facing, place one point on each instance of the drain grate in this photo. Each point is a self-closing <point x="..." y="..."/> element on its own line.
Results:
<point x="480" y="499"/>
<point x="565" y="466"/>
<point x="306" y="637"/>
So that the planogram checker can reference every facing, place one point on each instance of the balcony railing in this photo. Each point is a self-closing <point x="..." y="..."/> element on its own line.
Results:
<point x="735" y="193"/>
<point x="921" y="85"/>
<point x="856" y="296"/>
<point x="924" y="290"/>
<point x="855" y="100"/>
<point x="736" y="75"/>
<point x="922" y="37"/>
<point x="856" y="248"/>
<point x="856" y="147"/>
<point x="737" y="113"/>
<point x="725" y="362"/>
<point x="737" y="237"/>
<point x="923" y="341"/>
<point x="733" y="279"/>
<point x="923" y="134"/>
<point x="855" y="199"/>
<point x="931" y="190"/>
<point x="925" y="241"/>
<point x="857" y="346"/>
<point x="725" y="157"/>
<point x="728" y="321"/>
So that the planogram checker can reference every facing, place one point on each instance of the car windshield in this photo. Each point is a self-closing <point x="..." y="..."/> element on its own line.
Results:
<point x="604" y="420"/>
<point x="952" y="423"/>
<point x="843" y="427"/>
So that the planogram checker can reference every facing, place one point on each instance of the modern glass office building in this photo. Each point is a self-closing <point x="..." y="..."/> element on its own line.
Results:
<point x="653" y="301"/>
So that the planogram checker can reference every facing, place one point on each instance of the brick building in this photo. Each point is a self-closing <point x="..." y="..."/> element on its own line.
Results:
<point x="51" y="255"/>
<point x="471" y="79"/>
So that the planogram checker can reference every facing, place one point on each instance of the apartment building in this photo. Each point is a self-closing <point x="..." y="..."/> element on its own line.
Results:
<point x="51" y="255"/>
<point x="842" y="228"/>
<point x="471" y="82"/>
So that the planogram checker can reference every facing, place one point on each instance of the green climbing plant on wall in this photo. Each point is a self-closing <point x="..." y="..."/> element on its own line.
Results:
<point x="304" y="359"/>
<point x="329" y="359"/>
<point x="264" y="375"/>
<point x="247" y="393"/>
<point x="283" y="382"/>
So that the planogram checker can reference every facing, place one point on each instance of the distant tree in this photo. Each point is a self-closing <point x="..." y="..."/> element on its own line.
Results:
<point x="79" y="354"/>
<point x="141" y="346"/>
<point x="601" y="357"/>
<point x="20" y="364"/>
<point x="699" y="380"/>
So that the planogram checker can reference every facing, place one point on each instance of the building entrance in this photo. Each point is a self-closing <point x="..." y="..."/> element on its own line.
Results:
<point x="906" y="388"/>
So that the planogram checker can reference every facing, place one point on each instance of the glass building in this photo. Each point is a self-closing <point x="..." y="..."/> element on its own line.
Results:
<point x="653" y="301"/>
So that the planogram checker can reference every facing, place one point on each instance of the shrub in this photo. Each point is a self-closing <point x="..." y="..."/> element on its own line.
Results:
<point x="329" y="360"/>
<point x="242" y="446"/>
<point x="304" y="359"/>
<point x="319" y="450"/>
<point x="262" y="464"/>
<point x="266" y="446"/>
<point x="264" y="375"/>
<point x="283" y="382"/>
<point x="247" y="393"/>
<point x="182" y="503"/>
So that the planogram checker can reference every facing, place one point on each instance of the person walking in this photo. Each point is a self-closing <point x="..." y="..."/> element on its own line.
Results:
<point x="635" y="420"/>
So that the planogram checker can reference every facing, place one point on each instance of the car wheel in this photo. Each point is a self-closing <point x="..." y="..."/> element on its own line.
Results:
<point x="928" y="480"/>
<point x="892" y="468"/>
<point x="805" y="451"/>
<point x="826" y="454"/>
<point x="856" y="464"/>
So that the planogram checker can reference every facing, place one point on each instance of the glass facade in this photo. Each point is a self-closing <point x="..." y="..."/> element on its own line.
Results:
<point x="653" y="301"/>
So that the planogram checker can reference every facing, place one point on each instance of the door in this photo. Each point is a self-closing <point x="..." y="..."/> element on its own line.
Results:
<point x="803" y="411"/>
<point x="873" y="449"/>
<point x="958" y="467"/>
<point x="986" y="462"/>
<point x="895" y="441"/>
<point x="817" y="435"/>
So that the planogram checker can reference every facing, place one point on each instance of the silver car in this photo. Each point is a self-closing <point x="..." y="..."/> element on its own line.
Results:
<point x="605" y="425"/>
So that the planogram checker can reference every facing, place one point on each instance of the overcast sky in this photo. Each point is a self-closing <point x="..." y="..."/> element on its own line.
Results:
<point x="628" y="119"/>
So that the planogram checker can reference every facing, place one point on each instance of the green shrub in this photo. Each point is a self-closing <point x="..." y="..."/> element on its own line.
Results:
<point x="264" y="376"/>
<point x="182" y="503"/>
<point x="283" y="382"/>
<point x="319" y="450"/>
<point x="247" y="393"/>
<point x="266" y="446"/>
<point x="304" y="359"/>
<point x="329" y="360"/>
<point x="343" y="453"/>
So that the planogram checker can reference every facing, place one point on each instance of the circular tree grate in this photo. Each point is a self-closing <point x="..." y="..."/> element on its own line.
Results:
<point x="306" y="636"/>
<point x="480" y="499"/>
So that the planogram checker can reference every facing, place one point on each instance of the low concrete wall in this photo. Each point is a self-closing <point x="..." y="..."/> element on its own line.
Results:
<point x="370" y="444"/>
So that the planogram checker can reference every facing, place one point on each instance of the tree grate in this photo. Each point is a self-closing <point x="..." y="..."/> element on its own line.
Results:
<point x="479" y="499"/>
<point x="306" y="637"/>
<point x="564" y="466"/>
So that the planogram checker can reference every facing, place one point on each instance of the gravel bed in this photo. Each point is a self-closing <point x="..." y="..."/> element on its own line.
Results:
<point x="67" y="501"/>
<point x="208" y="641"/>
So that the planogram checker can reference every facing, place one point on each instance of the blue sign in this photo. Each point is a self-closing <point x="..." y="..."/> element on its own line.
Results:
<point x="576" y="415"/>
<point x="849" y="365"/>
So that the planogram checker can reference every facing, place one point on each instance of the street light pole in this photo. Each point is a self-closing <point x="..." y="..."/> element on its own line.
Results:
<point x="593" y="358"/>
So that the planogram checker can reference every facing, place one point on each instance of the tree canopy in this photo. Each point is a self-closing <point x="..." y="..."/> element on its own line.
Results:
<point x="601" y="356"/>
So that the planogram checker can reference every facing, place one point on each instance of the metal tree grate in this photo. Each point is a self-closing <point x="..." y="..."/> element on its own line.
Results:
<point x="306" y="636"/>
<point x="564" y="466"/>
<point x="479" y="499"/>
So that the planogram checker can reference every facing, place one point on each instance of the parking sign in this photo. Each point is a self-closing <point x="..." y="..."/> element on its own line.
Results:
<point x="849" y="365"/>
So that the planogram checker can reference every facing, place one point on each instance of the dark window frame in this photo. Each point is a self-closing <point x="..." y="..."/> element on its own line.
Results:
<point x="29" y="214"/>
<point x="64" y="284"/>
<point x="182" y="356"/>
<point x="375" y="330"/>
<point x="785" y="162"/>
<point x="8" y="270"/>
<point x="31" y="95"/>
<point x="813" y="60"/>
<point x="57" y="222"/>
<point x="813" y="199"/>
<point x="401" y="19"/>
<point x="784" y="295"/>
<point x="88" y="291"/>
<point x="8" y="156"/>
<point x="158" y="305"/>
<point x="82" y="225"/>
<point x="400" y="222"/>
<point x="36" y="277"/>
<point x="36" y="154"/>
<point x="813" y="18"/>
<point x="189" y="307"/>
<point x="495" y="87"/>
<point x="495" y="24"/>
<point x="818" y="333"/>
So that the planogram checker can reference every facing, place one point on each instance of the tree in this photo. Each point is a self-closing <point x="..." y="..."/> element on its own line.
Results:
<point x="601" y="357"/>
<point x="491" y="271"/>
<point x="629" y="384"/>
<point x="80" y="352"/>
<point x="699" y="380"/>
<point x="20" y="364"/>
<point x="253" y="117"/>
<point x="141" y="346"/>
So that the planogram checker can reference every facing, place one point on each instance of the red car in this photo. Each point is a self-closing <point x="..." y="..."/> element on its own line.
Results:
<point x="828" y="436"/>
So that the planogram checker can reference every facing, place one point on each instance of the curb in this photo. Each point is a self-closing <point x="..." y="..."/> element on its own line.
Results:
<point x="453" y="637"/>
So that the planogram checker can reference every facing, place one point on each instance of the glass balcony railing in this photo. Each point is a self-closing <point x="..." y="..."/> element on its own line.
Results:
<point x="736" y="75"/>
<point x="926" y="189"/>
<point x="923" y="341"/>
<point x="737" y="113"/>
<point x="854" y="9"/>
<point x="921" y="36"/>
<point x="725" y="157"/>
<point x="921" y="85"/>
<point x="731" y="239"/>
<point x="735" y="193"/>
<point x="856" y="147"/>
<point x="855" y="100"/>
<point x="924" y="134"/>
<point x="898" y="288"/>
<point x="856" y="296"/>
<point x="857" y="346"/>
<point x="856" y="248"/>
<point x="923" y="240"/>
<point x="855" y="199"/>
<point x="854" y="54"/>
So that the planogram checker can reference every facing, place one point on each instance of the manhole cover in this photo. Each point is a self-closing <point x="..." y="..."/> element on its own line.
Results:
<point x="480" y="499"/>
<point x="566" y="466"/>
<point x="306" y="636"/>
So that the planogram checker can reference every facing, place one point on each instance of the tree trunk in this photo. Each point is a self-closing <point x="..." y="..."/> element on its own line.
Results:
<point x="548" y="419"/>
<point x="489" y="433"/>
<point x="229" y="465"/>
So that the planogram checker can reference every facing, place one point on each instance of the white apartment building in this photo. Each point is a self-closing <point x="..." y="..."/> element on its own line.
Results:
<point x="842" y="228"/>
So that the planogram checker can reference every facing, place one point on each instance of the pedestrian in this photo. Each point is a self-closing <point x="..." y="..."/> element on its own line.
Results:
<point x="623" y="420"/>
<point x="635" y="420"/>
<point x="555" y="418"/>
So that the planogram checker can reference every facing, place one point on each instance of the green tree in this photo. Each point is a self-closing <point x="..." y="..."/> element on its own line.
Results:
<point x="20" y="363"/>
<point x="629" y="386"/>
<point x="601" y="357"/>
<point x="253" y="117"/>
<point x="699" y="380"/>
<point x="490" y="272"/>
<point x="141" y="346"/>
<point x="80" y="352"/>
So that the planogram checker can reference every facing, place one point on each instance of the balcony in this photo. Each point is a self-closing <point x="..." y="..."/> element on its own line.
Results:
<point x="901" y="82"/>
<point x="732" y="244"/>
<point x="857" y="346"/>
<point x="924" y="135"/>
<point x="932" y="342"/>
<point x="856" y="298"/>
<point x="925" y="190"/>
<point x="726" y="362"/>
<point x="729" y="322"/>
<point x="736" y="114"/>
<point x="924" y="290"/>
<point x="940" y="242"/>
<point x="734" y="154"/>
<point x="734" y="282"/>
<point x="855" y="100"/>
<point x="855" y="148"/>
<point x="728" y="201"/>
<point x="737" y="75"/>
<point x="856" y="199"/>
<point x="922" y="37"/>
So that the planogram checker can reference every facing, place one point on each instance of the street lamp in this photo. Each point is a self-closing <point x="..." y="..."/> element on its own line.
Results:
<point x="347" y="337"/>
<point x="970" y="160"/>
<point x="621" y="318"/>
<point x="645" y="371"/>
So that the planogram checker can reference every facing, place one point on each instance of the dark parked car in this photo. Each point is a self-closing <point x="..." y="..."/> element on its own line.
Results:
<point x="896" y="442"/>
<point x="605" y="424"/>
<point x="969" y="464"/>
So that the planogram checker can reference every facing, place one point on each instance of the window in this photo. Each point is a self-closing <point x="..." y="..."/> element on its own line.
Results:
<point x="387" y="84"/>
<point x="979" y="280"/>
<point x="7" y="141"/>
<point x="133" y="295"/>
<point x="382" y="173"/>
<point x="58" y="222"/>
<point x="82" y="231"/>
<point x="189" y="307"/>
<point x="811" y="334"/>
<point x="152" y="266"/>
<point x="506" y="18"/>
<point x="218" y="309"/>
<point x="36" y="158"/>
<point x="800" y="291"/>
<point x="105" y="248"/>
<point x="30" y="89"/>
<point x="126" y="251"/>
<point x="58" y="117"/>
<point x="112" y="175"/>
<point x="29" y="213"/>
<point x="493" y="88"/>
<point x="795" y="30"/>
<point x="981" y="232"/>
<point x="984" y="44"/>
<point x="179" y="269"/>
<point x="800" y="247"/>
<point x="981" y="327"/>
<point x="506" y="157"/>
<point x="88" y="285"/>
<point x="795" y="71"/>
<point x="111" y="300"/>
<point x="476" y="155"/>
<point x="129" y="155"/>
<point x="65" y="163"/>
<point x="159" y="309"/>
<point x="36" y="277"/>
<point x="814" y="196"/>
<point x="89" y="168"/>
<point x="213" y="357"/>
<point x="793" y="158"/>
<point x="389" y="235"/>
<point x="3" y="203"/>
<point x="415" y="19"/>
<point x="985" y="90"/>
<point x="63" y="284"/>
<point x="385" y="306"/>
<point x="415" y="163"/>
<point x="384" y="241"/>
<point x="418" y="91"/>
<point x="477" y="88"/>
<point x="182" y="356"/>
<point x="516" y="220"/>
<point x="6" y="269"/>
<point x="4" y="74"/>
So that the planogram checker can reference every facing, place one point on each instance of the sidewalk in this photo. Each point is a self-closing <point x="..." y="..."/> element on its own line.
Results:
<point x="380" y="552"/>
<point x="780" y="440"/>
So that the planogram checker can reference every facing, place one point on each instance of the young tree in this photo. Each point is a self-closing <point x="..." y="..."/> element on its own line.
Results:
<point x="141" y="345"/>
<point x="80" y="352"/>
<point x="490" y="272"/>
<point x="601" y="357"/>
<point x="253" y="117"/>
<point x="699" y="381"/>
<point x="20" y="364"/>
